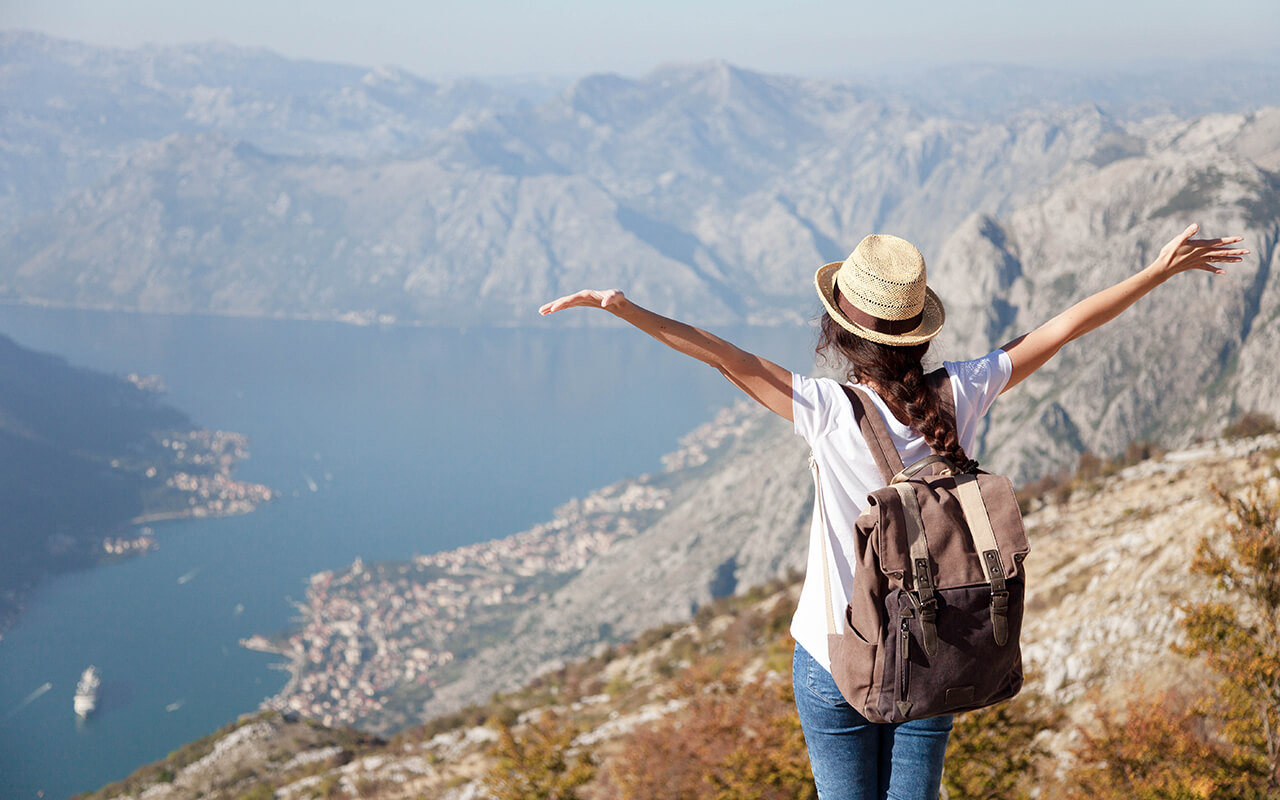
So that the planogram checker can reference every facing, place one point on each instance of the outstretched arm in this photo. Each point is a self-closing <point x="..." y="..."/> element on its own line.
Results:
<point x="1032" y="350"/>
<point x="762" y="380"/>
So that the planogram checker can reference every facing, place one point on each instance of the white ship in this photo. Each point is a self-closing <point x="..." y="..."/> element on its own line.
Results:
<point x="87" y="692"/>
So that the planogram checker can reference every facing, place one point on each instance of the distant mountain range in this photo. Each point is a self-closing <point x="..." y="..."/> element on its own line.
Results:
<point x="218" y="179"/>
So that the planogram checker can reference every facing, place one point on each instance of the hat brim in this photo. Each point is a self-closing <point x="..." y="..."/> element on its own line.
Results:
<point x="930" y="322"/>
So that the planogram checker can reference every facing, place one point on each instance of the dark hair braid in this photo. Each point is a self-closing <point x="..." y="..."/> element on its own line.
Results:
<point x="898" y="372"/>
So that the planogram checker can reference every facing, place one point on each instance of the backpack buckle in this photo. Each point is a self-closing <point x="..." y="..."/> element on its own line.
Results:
<point x="928" y="611"/>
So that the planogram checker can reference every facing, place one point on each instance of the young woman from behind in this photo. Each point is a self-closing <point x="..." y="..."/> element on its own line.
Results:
<point x="880" y="317"/>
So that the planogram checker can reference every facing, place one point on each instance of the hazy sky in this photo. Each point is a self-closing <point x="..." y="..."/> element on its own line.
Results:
<point x="573" y="37"/>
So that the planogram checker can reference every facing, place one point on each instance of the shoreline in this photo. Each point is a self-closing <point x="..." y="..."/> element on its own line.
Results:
<point x="372" y="640"/>
<point x="208" y="494"/>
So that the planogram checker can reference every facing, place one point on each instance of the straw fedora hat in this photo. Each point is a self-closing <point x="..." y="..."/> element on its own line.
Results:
<point x="883" y="296"/>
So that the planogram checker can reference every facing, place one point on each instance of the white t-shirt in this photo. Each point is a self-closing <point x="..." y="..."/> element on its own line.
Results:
<point x="824" y="417"/>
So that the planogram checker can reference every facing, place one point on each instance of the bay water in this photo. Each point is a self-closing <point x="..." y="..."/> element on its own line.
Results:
<point x="384" y="442"/>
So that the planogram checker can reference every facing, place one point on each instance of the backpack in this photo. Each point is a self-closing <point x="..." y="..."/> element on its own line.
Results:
<point x="933" y="622"/>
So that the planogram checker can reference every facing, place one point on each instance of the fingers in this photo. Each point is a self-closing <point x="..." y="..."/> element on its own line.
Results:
<point x="590" y="298"/>
<point x="1214" y="242"/>
<point x="1186" y="234"/>
<point x="560" y="304"/>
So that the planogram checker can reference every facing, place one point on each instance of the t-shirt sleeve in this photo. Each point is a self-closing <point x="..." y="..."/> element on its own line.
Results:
<point x="812" y="408"/>
<point x="979" y="382"/>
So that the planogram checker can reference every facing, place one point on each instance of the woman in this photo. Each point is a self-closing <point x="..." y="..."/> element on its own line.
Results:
<point x="880" y="317"/>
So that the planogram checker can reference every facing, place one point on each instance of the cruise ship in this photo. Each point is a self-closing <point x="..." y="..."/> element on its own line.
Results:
<point x="87" y="692"/>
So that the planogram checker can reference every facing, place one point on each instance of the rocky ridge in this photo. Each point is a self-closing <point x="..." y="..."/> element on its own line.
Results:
<point x="1107" y="569"/>
<point x="1182" y="362"/>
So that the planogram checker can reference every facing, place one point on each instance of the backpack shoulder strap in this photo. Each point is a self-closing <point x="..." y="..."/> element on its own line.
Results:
<point x="876" y="433"/>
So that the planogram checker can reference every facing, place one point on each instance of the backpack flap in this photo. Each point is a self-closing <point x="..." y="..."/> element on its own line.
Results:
<point x="954" y="558"/>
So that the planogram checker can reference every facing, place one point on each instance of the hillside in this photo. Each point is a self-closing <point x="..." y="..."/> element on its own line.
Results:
<point x="86" y="458"/>
<point x="1110" y="558"/>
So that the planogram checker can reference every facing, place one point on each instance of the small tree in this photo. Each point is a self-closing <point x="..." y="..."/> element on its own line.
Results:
<point x="538" y="764"/>
<point x="1155" y="750"/>
<point x="1239" y="635"/>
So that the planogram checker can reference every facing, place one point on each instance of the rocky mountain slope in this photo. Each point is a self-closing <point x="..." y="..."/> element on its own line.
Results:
<point x="1108" y="567"/>
<point x="222" y="180"/>
<point x="710" y="192"/>
<point x="1182" y="362"/>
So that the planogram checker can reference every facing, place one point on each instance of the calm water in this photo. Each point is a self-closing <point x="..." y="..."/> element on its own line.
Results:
<point x="416" y="441"/>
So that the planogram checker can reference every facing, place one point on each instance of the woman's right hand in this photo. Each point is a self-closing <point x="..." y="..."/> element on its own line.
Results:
<point x="1030" y="351"/>
<point x="608" y="299"/>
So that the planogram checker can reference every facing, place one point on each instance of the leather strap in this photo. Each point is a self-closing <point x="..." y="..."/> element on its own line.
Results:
<point x="921" y="574"/>
<point x="928" y="461"/>
<point x="984" y="542"/>
<point x="875" y="432"/>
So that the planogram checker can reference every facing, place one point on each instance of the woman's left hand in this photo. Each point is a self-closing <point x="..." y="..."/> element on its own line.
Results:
<point x="1182" y="253"/>
<point x="608" y="299"/>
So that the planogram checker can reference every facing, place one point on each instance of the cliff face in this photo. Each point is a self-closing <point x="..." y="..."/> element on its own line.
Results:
<point x="1107" y="571"/>
<point x="1180" y="363"/>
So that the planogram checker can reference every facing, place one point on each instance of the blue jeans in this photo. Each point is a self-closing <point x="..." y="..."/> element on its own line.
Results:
<point x="853" y="759"/>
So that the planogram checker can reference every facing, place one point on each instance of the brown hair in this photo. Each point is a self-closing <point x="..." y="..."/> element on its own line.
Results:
<point x="898" y="372"/>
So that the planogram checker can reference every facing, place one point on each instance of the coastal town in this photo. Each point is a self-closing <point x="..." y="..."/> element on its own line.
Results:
<point x="375" y="637"/>
<point x="193" y="481"/>
<point x="199" y="482"/>
<point x="370" y="634"/>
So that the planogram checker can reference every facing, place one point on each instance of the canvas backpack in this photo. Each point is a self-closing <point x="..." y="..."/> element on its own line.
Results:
<point x="933" y="621"/>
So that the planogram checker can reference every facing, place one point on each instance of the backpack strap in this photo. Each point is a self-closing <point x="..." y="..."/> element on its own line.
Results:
<point x="984" y="541"/>
<point x="924" y="600"/>
<point x="875" y="432"/>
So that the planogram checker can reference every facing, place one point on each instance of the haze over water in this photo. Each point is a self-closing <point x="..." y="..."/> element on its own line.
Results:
<point x="417" y="440"/>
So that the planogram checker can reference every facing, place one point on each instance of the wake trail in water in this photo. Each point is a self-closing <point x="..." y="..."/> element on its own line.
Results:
<point x="26" y="701"/>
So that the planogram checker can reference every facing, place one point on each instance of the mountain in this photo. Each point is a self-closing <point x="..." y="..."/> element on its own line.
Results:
<point x="85" y="457"/>
<point x="1108" y="562"/>
<point x="708" y="190"/>
<point x="209" y="178"/>
<point x="74" y="112"/>
<point x="1195" y="354"/>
